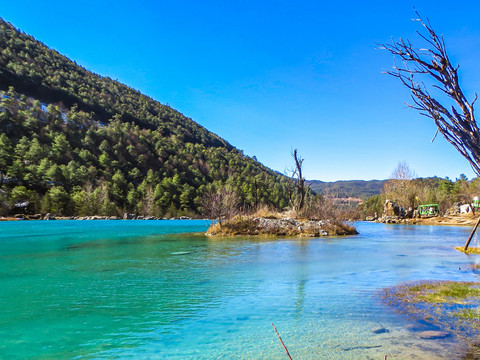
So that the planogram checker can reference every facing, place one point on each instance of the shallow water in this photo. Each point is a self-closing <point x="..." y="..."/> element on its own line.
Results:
<point x="154" y="290"/>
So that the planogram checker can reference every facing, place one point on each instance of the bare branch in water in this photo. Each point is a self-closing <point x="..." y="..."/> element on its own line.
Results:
<point x="286" y="350"/>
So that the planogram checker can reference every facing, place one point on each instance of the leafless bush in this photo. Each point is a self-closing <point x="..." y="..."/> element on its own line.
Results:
<point x="323" y="208"/>
<point x="221" y="204"/>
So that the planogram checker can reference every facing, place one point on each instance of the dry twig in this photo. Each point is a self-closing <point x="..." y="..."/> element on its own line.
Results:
<point x="286" y="350"/>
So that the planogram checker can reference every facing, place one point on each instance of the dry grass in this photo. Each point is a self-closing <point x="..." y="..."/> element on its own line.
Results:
<point x="451" y="220"/>
<point x="267" y="213"/>
<point x="470" y="250"/>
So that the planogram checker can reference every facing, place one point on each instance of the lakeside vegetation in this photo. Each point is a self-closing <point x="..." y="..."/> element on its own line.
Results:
<point x="309" y="214"/>
<point x="411" y="192"/>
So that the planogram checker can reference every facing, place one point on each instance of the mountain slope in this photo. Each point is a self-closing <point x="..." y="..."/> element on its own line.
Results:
<point x="35" y="70"/>
<point x="73" y="142"/>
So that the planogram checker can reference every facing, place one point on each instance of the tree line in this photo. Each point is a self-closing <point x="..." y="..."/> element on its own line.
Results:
<point x="65" y="162"/>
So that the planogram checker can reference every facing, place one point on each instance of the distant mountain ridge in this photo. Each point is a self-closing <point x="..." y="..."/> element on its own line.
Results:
<point x="348" y="188"/>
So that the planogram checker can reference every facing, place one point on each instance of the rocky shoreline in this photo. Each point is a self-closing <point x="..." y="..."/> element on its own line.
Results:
<point x="393" y="214"/>
<point x="447" y="220"/>
<point x="260" y="226"/>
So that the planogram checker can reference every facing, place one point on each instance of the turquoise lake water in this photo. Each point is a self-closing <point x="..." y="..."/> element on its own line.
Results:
<point x="155" y="290"/>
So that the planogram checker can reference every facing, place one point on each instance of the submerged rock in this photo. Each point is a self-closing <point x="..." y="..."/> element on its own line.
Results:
<point x="432" y="334"/>
<point x="380" y="330"/>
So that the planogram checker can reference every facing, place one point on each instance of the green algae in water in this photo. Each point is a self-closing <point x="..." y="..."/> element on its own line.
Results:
<point x="452" y="292"/>
<point x="450" y="305"/>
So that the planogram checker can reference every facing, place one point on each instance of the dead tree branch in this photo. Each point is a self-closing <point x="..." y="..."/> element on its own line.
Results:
<point x="286" y="350"/>
<point x="301" y="190"/>
<point x="455" y="122"/>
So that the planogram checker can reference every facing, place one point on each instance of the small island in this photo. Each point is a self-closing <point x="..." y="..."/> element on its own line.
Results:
<point x="281" y="226"/>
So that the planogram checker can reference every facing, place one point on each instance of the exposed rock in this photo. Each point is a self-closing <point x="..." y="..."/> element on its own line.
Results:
<point x="409" y="213"/>
<point x="49" y="217"/>
<point x="390" y="220"/>
<point x="391" y="208"/>
<point x="185" y="218"/>
<point x="127" y="216"/>
<point x="454" y="209"/>
<point x="366" y="218"/>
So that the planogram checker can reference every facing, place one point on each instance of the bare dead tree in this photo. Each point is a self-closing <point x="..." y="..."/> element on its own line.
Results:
<point x="455" y="121"/>
<point x="401" y="186"/>
<point x="298" y="196"/>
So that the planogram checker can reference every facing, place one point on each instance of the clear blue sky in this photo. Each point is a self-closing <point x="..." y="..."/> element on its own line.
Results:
<point x="270" y="76"/>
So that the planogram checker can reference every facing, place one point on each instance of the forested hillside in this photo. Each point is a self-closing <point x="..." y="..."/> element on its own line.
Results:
<point x="42" y="73"/>
<point x="73" y="142"/>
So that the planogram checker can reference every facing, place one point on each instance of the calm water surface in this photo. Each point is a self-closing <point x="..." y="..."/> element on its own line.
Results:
<point x="155" y="290"/>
